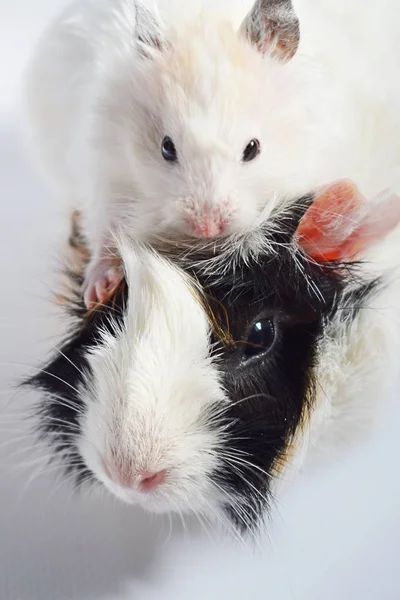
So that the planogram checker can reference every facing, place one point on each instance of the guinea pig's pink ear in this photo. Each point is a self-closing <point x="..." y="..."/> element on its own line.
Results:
<point x="273" y="27"/>
<point x="341" y="224"/>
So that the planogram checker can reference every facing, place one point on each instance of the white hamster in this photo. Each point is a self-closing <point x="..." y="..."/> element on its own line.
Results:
<point x="194" y="119"/>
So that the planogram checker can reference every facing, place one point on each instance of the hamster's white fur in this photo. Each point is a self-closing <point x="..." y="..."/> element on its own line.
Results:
<point x="99" y="110"/>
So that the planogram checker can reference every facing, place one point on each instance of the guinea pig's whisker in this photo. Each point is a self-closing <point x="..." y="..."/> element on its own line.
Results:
<point x="62" y="435"/>
<point x="226" y="524"/>
<point x="105" y="309"/>
<point x="240" y="473"/>
<point x="23" y="413"/>
<point x="60" y="401"/>
<point x="228" y="406"/>
<point x="205" y="525"/>
<point x="43" y="471"/>
<point x="48" y="419"/>
<point x="22" y="465"/>
<point x="15" y="440"/>
<point x="75" y="407"/>
<point x="65" y="439"/>
<point x="68" y="473"/>
<point x="7" y="429"/>
<point x="248" y="521"/>
<point x="16" y="364"/>
<point x="178" y="511"/>
<point x="10" y="390"/>
<point x="310" y="283"/>
<point x="13" y="426"/>
<point x="62" y="482"/>
<point x="71" y="465"/>
<point x="33" y="450"/>
<point x="238" y="509"/>
<point x="69" y="360"/>
<point x="69" y="426"/>
<point x="38" y="451"/>
<point x="48" y="464"/>
<point x="246" y="464"/>
<point x="43" y="461"/>
<point x="64" y="479"/>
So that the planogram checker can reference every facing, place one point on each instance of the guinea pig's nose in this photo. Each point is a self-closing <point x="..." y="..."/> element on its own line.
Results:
<point x="125" y="475"/>
<point x="148" y="481"/>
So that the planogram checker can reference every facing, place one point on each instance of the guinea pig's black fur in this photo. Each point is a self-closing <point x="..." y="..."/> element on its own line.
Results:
<point x="270" y="391"/>
<point x="61" y="378"/>
<point x="301" y="298"/>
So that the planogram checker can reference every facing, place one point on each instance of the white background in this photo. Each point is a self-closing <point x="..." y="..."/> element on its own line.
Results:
<point x="336" y="530"/>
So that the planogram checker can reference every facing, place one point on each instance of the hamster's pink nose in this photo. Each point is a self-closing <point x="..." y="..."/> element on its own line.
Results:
<point x="149" y="481"/>
<point x="208" y="228"/>
<point x="209" y="222"/>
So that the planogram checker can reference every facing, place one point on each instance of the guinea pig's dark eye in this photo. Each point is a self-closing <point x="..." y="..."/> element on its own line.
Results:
<point x="168" y="149"/>
<point x="260" y="340"/>
<point x="252" y="150"/>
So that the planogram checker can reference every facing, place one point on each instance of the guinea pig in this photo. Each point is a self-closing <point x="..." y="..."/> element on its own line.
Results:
<point x="194" y="119"/>
<point x="205" y="377"/>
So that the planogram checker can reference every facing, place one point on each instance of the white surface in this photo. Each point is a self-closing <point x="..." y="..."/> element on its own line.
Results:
<point x="336" y="533"/>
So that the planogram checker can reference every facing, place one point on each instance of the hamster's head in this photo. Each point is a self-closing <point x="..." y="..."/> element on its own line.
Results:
<point x="190" y="391"/>
<point x="212" y="120"/>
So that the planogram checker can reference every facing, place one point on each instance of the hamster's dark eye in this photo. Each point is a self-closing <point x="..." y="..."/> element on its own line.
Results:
<point x="252" y="150"/>
<point x="260" y="340"/>
<point x="168" y="149"/>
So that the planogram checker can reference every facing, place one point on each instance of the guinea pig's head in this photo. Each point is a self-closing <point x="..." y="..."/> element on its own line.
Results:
<point x="206" y="119"/>
<point x="190" y="390"/>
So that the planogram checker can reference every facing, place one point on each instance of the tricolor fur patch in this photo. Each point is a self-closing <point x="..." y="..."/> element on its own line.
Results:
<point x="207" y="372"/>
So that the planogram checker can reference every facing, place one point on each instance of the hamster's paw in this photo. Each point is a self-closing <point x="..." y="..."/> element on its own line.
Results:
<point x="101" y="281"/>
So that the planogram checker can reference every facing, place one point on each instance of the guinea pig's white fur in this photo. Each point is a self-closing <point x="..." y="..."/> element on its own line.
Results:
<point x="99" y="110"/>
<point x="151" y="382"/>
<point x="358" y="359"/>
<point x="357" y="371"/>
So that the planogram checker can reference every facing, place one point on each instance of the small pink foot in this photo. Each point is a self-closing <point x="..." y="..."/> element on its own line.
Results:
<point x="102" y="279"/>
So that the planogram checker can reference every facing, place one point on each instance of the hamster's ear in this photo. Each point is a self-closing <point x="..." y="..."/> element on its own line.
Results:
<point x="341" y="224"/>
<point x="273" y="27"/>
<point x="148" y="30"/>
